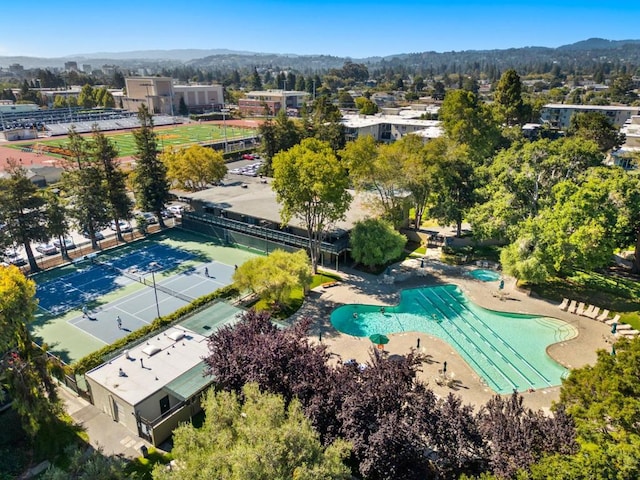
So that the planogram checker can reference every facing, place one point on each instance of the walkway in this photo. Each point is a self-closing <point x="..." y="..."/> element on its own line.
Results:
<point x="112" y="437"/>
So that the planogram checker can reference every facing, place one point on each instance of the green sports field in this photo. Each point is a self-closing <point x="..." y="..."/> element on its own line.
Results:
<point x="181" y="135"/>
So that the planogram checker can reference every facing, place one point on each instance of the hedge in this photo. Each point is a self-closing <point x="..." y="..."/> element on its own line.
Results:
<point x="98" y="357"/>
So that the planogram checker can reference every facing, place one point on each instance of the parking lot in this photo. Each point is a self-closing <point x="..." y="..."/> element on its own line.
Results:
<point x="47" y="253"/>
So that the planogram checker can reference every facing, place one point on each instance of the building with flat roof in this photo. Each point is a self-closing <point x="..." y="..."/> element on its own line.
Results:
<point x="153" y="386"/>
<point x="389" y="128"/>
<point x="244" y="211"/>
<point x="163" y="97"/>
<point x="558" y="115"/>
<point x="257" y="102"/>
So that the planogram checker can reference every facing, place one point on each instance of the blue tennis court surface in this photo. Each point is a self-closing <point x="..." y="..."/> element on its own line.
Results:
<point x="92" y="281"/>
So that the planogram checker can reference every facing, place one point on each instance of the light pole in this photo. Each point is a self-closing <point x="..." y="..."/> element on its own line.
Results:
<point x="224" y="123"/>
<point x="154" y="266"/>
<point x="147" y="84"/>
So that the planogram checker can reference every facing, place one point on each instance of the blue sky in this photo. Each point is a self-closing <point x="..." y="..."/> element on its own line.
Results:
<point x="343" y="28"/>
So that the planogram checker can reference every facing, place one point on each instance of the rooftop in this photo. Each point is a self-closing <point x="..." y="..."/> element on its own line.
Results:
<point x="624" y="108"/>
<point x="136" y="375"/>
<point x="359" y="121"/>
<point x="249" y="196"/>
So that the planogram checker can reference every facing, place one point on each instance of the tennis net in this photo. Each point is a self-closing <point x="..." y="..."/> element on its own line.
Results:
<point x="143" y="280"/>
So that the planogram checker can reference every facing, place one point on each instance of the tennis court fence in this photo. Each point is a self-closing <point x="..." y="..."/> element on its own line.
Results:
<point x="142" y="280"/>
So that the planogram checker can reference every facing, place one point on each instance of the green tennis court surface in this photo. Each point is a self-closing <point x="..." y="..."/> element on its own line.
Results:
<point x="80" y="304"/>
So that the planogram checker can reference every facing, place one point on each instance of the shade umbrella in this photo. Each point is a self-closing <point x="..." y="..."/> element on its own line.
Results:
<point x="379" y="339"/>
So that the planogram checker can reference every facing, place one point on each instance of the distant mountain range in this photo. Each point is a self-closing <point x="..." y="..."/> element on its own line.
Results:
<point x="596" y="48"/>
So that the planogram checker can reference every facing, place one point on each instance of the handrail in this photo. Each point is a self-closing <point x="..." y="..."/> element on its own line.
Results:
<point x="268" y="234"/>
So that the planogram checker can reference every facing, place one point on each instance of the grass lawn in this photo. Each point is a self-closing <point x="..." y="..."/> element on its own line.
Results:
<point x="613" y="292"/>
<point x="189" y="134"/>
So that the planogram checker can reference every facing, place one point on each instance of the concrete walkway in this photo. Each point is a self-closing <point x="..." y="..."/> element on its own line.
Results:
<point x="361" y="288"/>
<point x="105" y="434"/>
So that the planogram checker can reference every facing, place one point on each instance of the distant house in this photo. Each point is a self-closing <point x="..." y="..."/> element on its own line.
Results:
<point x="255" y="103"/>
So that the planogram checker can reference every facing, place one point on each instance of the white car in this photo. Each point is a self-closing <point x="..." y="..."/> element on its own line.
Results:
<point x="68" y="243"/>
<point x="176" y="210"/>
<point x="125" y="227"/>
<point x="47" y="248"/>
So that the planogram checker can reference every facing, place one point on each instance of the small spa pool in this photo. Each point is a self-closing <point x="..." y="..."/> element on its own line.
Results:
<point x="485" y="275"/>
<point x="506" y="350"/>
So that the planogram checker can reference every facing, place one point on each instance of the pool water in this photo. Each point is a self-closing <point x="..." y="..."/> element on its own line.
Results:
<point x="507" y="350"/>
<point x="485" y="275"/>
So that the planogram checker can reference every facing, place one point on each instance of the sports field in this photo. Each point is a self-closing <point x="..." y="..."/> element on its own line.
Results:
<point x="94" y="302"/>
<point x="181" y="135"/>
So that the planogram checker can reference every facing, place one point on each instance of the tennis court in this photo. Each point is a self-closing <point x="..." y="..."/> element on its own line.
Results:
<point x="81" y="305"/>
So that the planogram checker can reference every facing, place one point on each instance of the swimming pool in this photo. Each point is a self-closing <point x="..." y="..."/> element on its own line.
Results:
<point x="485" y="275"/>
<point x="507" y="350"/>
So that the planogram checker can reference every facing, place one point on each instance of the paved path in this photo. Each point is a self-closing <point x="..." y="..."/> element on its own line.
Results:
<point x="358" y="287"/>
<point x="112" y="437"/>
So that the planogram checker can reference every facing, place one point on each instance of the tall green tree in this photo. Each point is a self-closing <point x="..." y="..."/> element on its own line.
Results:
<point x="57" y="218"/>
<point x="278" y="135"/>
<point x="455" y="185"/>
<point x="115" y="179"/>
<point x="83" y="182"/>
<point x="378" y="169"/>
<point x="311" y="184"/>
<point x="595" y="126"/>
<point x="87" y="97"/>
<point x="23" y="210"/>
<point x="24" y="369"/>
<point x="257" y="437"/>
<point x="508" y="98"/>
<point x="151" y="185"/>
<point x="468" y="121"/>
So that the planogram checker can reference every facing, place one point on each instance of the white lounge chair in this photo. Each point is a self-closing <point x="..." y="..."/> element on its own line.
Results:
<point x="624" y="326"/>
<point x="594" y="313"/>
<point x="572" y="306"/>
<point x="628" y="333"/>
<point x="580" y="309"/>
<point x="613" y="320"/>
<point x="564" y="304"/>
<point x="603" y="316"/>
<point x="587" y="311"/>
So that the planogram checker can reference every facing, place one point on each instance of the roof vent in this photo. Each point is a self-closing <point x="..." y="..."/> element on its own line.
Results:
<point x="176" y="335"/>
<point x="151" y="350"/>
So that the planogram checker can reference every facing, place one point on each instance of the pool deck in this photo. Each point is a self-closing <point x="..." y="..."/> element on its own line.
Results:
<point x="361" y="288"/>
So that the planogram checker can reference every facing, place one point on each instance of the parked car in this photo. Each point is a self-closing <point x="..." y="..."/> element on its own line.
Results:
<point x="149" y="217"/>
<point x="99" y="235"/>
<point x="47" y="248"/>
<point x="12" y="257"/>
<point x="176" y="210"/>
<point x="68" y="243"/>
<point x="125" y="227"/>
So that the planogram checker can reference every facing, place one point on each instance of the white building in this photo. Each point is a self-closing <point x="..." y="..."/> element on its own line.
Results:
<point x="389" y="128"/>
<point x="558" y="115"/>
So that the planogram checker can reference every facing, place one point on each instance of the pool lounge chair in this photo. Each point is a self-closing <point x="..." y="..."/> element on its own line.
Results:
<point x="623" y="327"/>
<point x="613" y="320"/>
<point x="580" y="309"/>
<point x="594" y="313"/>
<point x="564" y="304"/>
<point x="572" y="306"/>
<point x="587" y="311"/>
<point x="628" y="333"/>
<point x="603" y="316"/>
